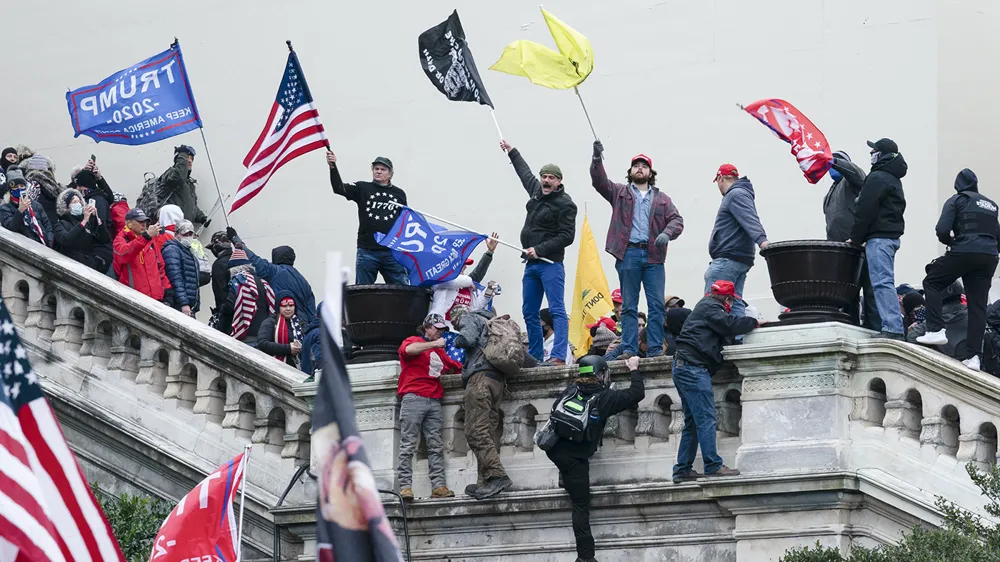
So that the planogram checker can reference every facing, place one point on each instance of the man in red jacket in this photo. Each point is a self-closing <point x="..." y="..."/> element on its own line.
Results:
<point x="423" y="360"/>
<point x="136" y="261"/>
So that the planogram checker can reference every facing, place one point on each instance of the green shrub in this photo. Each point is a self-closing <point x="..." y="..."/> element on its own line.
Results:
<point x="134" y="521"/>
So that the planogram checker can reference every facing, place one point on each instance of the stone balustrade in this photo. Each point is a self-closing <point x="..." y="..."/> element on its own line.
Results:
<point x="115" y="361"/>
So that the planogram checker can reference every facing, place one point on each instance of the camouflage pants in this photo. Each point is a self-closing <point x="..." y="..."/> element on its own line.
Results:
<point x="482" y="417"/>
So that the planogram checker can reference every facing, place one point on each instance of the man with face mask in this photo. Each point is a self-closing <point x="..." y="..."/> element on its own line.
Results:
<point x="182" y="268"/>
<point x="643" y="221"/>
<point x="80" y="234"/>
<point x="878" y="225"/>
<point x="21" y="214"/>
<point x="550" y="226"/>
<point x="377" y="210"/>
<point x="221" y="247"/>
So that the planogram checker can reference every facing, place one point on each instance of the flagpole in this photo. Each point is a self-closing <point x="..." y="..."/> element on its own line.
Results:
<point x="495" y="122"/>
<point x="214" y="177"/>
<point x="446" y="221"/>
<point x="243" y="501"/>
<point x="589" y="122"/>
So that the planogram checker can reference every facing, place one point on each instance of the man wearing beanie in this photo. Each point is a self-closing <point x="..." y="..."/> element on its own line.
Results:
<point x="969" y="227"/>
<point x="180" y="188"/>
<point x="549" y="228"/>
<point x="8" y="158"/>
<point x="643" y="221"/>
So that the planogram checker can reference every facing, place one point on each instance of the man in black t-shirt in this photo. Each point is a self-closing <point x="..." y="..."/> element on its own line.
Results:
<point x="376" y="213"/>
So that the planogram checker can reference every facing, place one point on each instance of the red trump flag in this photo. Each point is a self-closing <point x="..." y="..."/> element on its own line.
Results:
<point x="809" y="146"/>
<point x="203" y="526"/>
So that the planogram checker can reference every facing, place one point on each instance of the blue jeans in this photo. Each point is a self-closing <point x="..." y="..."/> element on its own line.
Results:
<point x="633" y="271"/>
<point x="694" y="384"/>
<point x="725" y="269"/>
<point x="310" y="354"/>
<point x="881" y="255"/>
<point x="372" y="262"/>
<point x="548" y="279"/>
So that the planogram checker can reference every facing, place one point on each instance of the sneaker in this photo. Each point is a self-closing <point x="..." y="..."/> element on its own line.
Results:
<point x="689" y="476"/>
<point x="442" y="492"/>
<point x="889" y="336"/>
<point x="972" y="363"/>
<point x="470" y="490"/>
<point x="724" y="471"/>
<point x="939" y="337"/>
<point x="552" y="363"/>
<point x="492" y="487"/>
<point x="406" y="494"/>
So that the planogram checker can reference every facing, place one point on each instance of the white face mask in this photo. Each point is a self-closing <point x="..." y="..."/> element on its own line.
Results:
<point x="875" y="156"/>
<point x="185" y="240"/>
<point x="76" y="209"/>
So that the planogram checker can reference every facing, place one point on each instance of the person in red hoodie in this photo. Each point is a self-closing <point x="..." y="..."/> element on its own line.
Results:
<point x="422" y="361"/>
<point x="136" y="260"/>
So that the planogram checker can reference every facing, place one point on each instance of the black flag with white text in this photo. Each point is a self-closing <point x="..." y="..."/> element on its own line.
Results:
<point x="447" y="61"/>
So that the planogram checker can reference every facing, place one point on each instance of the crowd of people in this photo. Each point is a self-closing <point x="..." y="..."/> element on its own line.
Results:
<point x="154" y="248"/>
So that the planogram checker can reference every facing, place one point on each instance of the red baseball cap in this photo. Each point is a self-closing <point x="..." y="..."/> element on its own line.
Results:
<point x="607" y="322"/>
<point x="469" y="261"/>
<point x="725" y="288"/>
<point x="616" y="295"/>
<point x="726" y="170"/>
<point x="647" y="159"/>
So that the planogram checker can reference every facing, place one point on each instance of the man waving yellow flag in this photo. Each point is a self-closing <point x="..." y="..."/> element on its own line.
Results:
<point x="591" y="295"/>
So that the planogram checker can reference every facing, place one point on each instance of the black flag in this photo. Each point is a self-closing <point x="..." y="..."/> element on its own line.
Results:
<point x="448" y="62"/>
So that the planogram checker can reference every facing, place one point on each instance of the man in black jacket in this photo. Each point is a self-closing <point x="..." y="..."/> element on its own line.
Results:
<point x="971" y="255"/>
<point x="548" y="229"/>
<point x="377" y="202"/>
<point x="222" y="248"/>
<point x="878" y="224"/>
<point x="699" y="354"/>
<point x="180" y="188"/>
<point x="573" y="459"/>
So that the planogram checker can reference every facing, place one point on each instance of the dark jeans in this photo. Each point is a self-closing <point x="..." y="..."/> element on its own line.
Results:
<point x="635" y="272"/>
<point x="872" y="321"/>
<point x="576" y="480"/>
<point x="370" y="263"/>
<point x="880" y="254"/>
<point x="311" y="350"/>
<point x="548" y="279"/>
<point x="694" y="384"/>
<point x="976" y="271"/>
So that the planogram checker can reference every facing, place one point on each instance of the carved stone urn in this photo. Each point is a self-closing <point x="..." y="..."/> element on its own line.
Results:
<point x="815" y="279"/>
<point x="379" y="317"/>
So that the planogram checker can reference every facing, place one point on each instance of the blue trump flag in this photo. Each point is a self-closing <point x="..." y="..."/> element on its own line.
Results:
<point x="147" y="102"/>
<point x="431" y="253"/>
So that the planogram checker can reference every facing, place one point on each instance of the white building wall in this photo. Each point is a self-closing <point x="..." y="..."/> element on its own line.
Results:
<point x="668" y="77"/>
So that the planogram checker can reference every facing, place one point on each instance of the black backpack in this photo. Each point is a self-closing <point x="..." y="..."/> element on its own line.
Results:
<point x="991" y="341"/>
<point x="575" y="417"/>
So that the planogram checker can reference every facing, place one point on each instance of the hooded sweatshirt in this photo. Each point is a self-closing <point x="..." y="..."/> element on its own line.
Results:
<point x="284" y="278"/>
<point x="879" y="210"/>
<point x="737" y="228"/>
<point x="838" y="205"/>
<point x="972" y="218"/>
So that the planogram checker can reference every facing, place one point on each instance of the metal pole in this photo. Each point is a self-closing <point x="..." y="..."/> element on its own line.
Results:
<point x="589" y="122"/>
<point x="243" y="500"/>
<point x="446" y="221"/>
<point x="406" y="528"/>
<point x="495" y="122"/>
<point x="214" y="177"/>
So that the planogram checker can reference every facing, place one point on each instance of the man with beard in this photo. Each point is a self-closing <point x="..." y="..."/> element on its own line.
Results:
<point x="377" y="210"/>
<point x="878" y="225"/>
<point x="643" y="221"/>
<point x="737" y="230"/>
<point x="548" y="229"/>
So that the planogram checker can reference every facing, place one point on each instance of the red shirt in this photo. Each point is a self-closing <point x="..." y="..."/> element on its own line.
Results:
<point x="418" y="375"/>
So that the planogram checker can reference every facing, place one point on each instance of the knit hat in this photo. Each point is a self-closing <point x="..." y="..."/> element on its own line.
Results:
<point x="189" y="150"/>
<point x="238" y="258"/>
<point x="911" y="301"/>
<point x="551" y="169"/>
<point x="36" y="162"/>
<point x="14" y="175"/>
<point x="842" y="155"/>
<point x="85" y="179"/>
<point x="604" y="337"/>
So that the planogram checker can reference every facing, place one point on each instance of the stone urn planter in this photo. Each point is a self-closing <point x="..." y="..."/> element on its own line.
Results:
<point x="379" y="317"/>
<point x="815" y="279"/>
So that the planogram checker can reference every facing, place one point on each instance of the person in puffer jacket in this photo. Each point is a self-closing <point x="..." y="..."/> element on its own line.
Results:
<point x="182" y="269"/>
<point x="79" y="234"/>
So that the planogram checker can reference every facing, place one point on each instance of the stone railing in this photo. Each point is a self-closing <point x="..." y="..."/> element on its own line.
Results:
<point x="167" y="398"/>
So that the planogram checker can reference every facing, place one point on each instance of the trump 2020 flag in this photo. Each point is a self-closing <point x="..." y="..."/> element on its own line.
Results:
<point x="431" y="253"/>
<point x="809" y="146"/>
<point x="203" y="525"/>
<point x="146" y="102"/>
<point x="351" y="524"/>
<point x="447" y="61"/>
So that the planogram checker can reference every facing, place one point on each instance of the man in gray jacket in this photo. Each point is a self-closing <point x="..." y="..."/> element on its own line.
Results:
<point x="737" y="229"/>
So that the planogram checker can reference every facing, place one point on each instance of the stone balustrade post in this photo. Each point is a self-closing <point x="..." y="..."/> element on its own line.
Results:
<point x="903" y="416"/>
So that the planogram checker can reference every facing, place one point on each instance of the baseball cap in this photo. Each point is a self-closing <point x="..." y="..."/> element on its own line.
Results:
<point x="671" y="299"/>
<point x="384" y="161"/>
<point x="616" y="295"/>
<point x="185" y="149"/>
<point x="726" y="170"/>
<point x="725" y="288"/>
<point x="136" y="215"/>
<point x="469" y="261"/>
<point x="435" y="320"/>
<point x="643" y="157"/>
<point x="606" y="322"/>
<point x="884" y="145"/>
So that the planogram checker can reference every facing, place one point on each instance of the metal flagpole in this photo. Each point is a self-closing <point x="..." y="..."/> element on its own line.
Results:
<point x="456" y="225"/>
<point x="495" y="122"/>
<point x="589" y="122"/>
<point x="243" y="500"/>
<point x="214" y="177"/>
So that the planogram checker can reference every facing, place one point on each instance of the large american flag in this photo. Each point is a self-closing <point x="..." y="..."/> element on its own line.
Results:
<point x="292" y="129"/>
<point x="47" y="510"/>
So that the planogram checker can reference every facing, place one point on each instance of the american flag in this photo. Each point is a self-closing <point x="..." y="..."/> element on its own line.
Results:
<point x="292" y="129"/>
<point x="47" y="510"/>
<point x="456" y="353"/>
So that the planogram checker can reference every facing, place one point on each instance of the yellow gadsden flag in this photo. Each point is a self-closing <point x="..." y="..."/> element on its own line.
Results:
<point x="591" y="295"/>
<point x="545" y="67"/>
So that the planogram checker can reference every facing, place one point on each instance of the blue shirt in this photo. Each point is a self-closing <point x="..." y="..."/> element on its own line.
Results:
<point x="640" y="215"/>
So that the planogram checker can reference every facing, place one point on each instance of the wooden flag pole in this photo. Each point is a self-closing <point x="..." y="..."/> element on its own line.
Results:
<point x="448" y="222"/>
